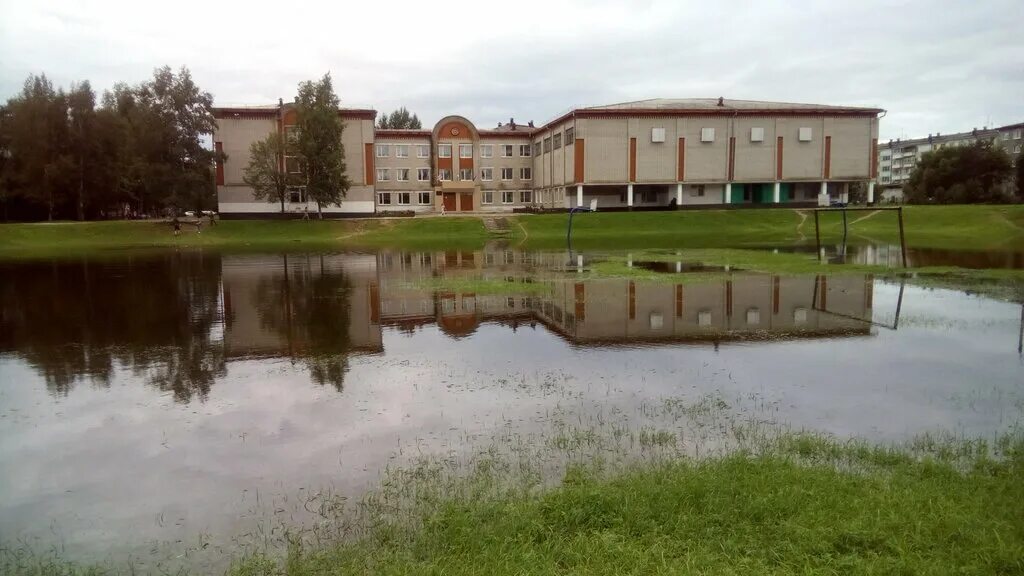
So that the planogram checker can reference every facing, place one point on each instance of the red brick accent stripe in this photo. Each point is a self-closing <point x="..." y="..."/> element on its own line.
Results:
<point x="632" y="159"/>
<point x="828" y="157"/>
<point x="732" y="157"/>
<point x="778" y="158"/>
<point x="681" y="162"/>
<point x="370" y="176"/>
<point x="219" y="149"/>
<point x="578" y="159"/>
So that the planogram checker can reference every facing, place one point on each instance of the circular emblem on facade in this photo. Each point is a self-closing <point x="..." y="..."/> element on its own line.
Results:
<point x="455" y="131"/>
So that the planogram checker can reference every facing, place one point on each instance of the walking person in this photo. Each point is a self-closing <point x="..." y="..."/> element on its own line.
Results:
<point x="177" y="225"/>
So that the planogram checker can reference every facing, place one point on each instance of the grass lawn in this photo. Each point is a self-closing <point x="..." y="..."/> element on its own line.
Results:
<point x="795" y="505"/>
<point x="808" y="506"/>
<point x="955" y="227"/>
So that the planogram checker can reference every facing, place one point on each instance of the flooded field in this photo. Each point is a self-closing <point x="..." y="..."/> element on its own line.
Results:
<point x="159" y="407"/>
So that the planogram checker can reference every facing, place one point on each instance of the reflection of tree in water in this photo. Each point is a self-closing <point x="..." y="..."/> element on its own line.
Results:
<point x="74" y="320"/>
<point x="308" y="306"/>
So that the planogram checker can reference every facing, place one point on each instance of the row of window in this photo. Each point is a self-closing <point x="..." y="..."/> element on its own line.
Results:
<point x="445" y="150"/>
<point x="423" y="174"/>
<point x="554" y="142"/>
<point x="404" y="198"/>
<point x="425" y="198"/>
<point x="507" y="196"/>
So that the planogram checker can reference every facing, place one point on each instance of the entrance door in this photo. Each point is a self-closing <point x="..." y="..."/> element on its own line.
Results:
<point x="467" y="201"/>
<point x="449" y="202"/>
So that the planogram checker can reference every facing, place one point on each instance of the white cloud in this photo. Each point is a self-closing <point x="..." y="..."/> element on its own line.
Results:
<point x="934" y="67"/>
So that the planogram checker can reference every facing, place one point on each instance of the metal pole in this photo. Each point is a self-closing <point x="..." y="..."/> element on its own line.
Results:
<point x="1020" y="339"/>
<point x="817" y="234"/>
<point x="903" y="239"/>
<point x="844" y="235"/>
<point x="899" y="304"/>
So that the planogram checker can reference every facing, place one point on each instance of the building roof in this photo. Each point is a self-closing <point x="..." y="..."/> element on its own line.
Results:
<point x="718" y="104"/>
<point x="711" y="107"/>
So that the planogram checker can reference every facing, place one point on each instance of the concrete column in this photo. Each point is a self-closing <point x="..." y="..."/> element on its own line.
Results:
<point x="777" y="193"/>
<point x="629" y="195"/>
<point x="871" y="192"/>
<point x="823" y="195"/>
<point x="579" y="195"/>
<point x="728" y="193"/>
<point x="679" y="194"/>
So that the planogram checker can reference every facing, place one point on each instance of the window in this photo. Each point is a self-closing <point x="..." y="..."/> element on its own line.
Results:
<point x="444" y="174"/>
<point x="506" y="173"/>
<point x="1017" y="134"/>
<point x="757" y="134"/>
<point x="423" y="150"/>
<point x="292" y="165"/>
<point x="424" y="198"/>
<point x="402" y="174"/>
<point x="536" y="148"/>
<point x="486" y="150"/>
<point x="384" y="198"/>
<point x="488" y="197"/>
<point x="383" y="150"/>
<point x="526" y="196"/>
<point x="570" y="136"/>
<point x="466" y="174"/>
<point x="465" y="150"/>
<point x="1016" y="149"/>
<point x="444" y="150"/>
<point x="296" y="194"/>
<point x="556" y="141"/>
<point x="508" y="196"/>
<point x="487" y="174"/>
<point x="526" y="173"/>
<point x="291" y="134"/>
<point x="547" y="145"/>
<point x="423" y="174"/>
<point x="649" y="196"/>
<point x="707" y="134"/>
<point x="524" y="150"/>
<point x="698" y="191"/>
<point x="401" y="150"/>
<point x="804" y="134"/>
<point x="404" y="197"/>
<point x="506" y="150"/>
<point x="382" y="174"/>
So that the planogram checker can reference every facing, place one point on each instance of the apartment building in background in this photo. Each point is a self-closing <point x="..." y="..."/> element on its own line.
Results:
<point x="659" y="153"/>
<point x="897" y="158"/>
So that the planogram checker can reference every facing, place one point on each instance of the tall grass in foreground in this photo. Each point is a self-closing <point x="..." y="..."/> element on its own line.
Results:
<point x="691" y="489"/>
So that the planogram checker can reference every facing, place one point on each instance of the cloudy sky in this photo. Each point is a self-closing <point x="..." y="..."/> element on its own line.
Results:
<point x="935" y="66"/>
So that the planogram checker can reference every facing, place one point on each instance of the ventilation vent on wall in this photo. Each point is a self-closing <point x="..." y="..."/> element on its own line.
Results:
<point x="799" y="315"/>
<point x="707" y="134"/>
<point x="757" y="134"/>
<point x="753" y="317"/>
<point x="657" y="134"/>
<point x="704" y="318"/>
<point x="805" y="134"/>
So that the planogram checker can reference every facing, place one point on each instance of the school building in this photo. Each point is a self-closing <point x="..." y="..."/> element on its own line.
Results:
<point x="659" y="153"/>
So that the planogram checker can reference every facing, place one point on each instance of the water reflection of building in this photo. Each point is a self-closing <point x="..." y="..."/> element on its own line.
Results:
<point x="736" y="307"/>
<point x="300" y="305"/>
<point x="596" y="310"/>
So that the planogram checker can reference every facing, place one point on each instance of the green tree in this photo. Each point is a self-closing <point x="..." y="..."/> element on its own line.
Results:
<point x="167" y="118"/>
<point x="37" y="133"/>
<point x="960" y="175"/>
<point x="400" y="118"/>
<point x="1020" y="176"/>
<point x="266" y="172"/>
<point x="5" y="159"/>
<point x="319" y="144"/>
